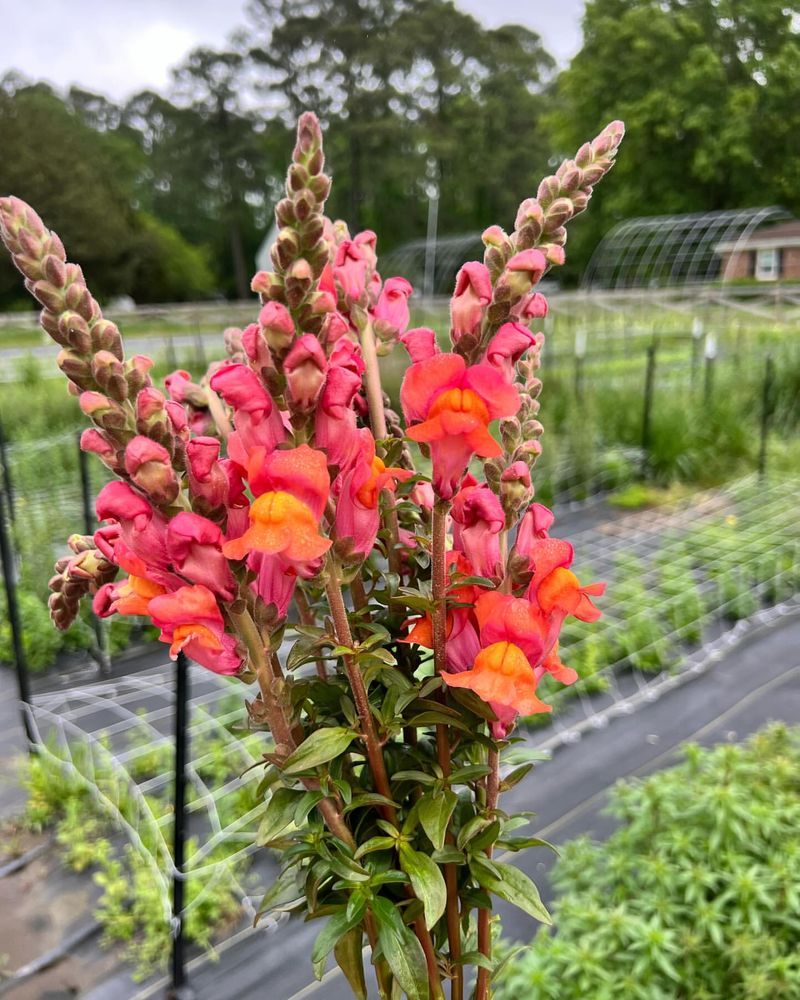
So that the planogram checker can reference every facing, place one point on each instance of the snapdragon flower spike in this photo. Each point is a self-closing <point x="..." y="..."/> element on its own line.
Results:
<point x="191" y="620"/>
<point x="358" y="509"/>
<point x="455" y="404"/>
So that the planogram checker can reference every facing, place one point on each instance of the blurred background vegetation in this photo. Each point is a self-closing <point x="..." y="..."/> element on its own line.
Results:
<point x="167" y="196"/>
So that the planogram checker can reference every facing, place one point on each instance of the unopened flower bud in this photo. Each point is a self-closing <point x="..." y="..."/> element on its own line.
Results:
<point x="267" y="284"/>
<point x="148" y="464"/>
<point x="106" y="337"/>
<point x="549" y="190"/>
<point x="109" y="374"/>
<point x="98" y="443"/>
<point x="104" y="412"/>
<point x="76" y="367"/>
<point x="558" y="213"/>
<point x="48" y="295"/>
<point x="75" y="331"/>
<point x="299" y="278"/>
<point x="277" y="327"/>
<point x="305" y="368"/>
<point x="515" y="486"/>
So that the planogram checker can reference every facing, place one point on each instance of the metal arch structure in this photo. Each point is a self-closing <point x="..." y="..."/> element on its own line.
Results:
<point x="669" y="251"/>
<point x="450" y="252"/>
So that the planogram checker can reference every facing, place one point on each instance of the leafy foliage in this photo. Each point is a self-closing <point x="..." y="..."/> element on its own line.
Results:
<point x="695" y="895"/>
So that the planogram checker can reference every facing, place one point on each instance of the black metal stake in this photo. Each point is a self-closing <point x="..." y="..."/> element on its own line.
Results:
<point x="179" y="988"/>
<point x="5" y="467"/>
<point x="89" y="526"/>
<point x="766" y="415"/>
<point x="647" y="415"/>
<point x="10" y="582"/>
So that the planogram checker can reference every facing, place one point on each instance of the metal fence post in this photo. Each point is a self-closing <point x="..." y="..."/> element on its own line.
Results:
<point x="766" y="414"/>
<point x="14" y="620"/>
<point x="647" y="415"/>
<point x="5" y="468"/>
<point x="179" y="987"/>
<point x="89" y="527"/>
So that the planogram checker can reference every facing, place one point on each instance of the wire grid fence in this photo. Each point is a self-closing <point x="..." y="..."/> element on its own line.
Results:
<point x="685" y="584"/>
<point x="115" y="740"/>
<point x="100" y="734"/>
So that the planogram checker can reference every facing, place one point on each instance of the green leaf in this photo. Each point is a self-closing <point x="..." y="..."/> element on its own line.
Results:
<point x="374" y="844"/>
<point x="448" y="856"/>
<point x="512" y="885"/>
<point x="421" y="776"/>
<point x="475" y="958"/>
<point x="350" y="959"/>
<point x="278" y="814"/>
<point x="523" y="843"/>
<point x="434" y="815"/>
<point x="369" y="799"/>
<point x="320" y="747"/>
<point x="401" y="949"/>
<point x="427" y="882"/>
<point x="282" y="891"/>
<point x="340" y="923"/>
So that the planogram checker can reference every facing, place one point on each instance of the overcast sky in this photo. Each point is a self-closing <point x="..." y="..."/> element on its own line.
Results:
<point x="118" y="47"/>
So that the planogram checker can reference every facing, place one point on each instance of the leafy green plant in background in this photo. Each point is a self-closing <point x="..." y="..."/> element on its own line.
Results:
<point x="696" y="895"/>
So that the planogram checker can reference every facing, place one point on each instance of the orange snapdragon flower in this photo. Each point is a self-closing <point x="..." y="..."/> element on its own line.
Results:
<point x="280" y="524"/>
<point x="501" y="675"/>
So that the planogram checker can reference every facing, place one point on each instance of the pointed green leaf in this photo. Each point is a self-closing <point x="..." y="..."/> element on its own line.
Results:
<point x="350" y="959"/>
<point x="340" y="923"/>
<point x="401" y="949"/>
<point x="278" y="814"/>
<point x="512" y="885"/>
<point x="434" y="815"/>
<point x="427" y="882"/>
<point x="320" y="747"/>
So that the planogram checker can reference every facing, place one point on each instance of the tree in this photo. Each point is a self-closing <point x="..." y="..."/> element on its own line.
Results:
<point x="709" y="93"/>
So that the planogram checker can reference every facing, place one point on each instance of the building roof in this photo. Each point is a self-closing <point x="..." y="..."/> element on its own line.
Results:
<point x="784" y="234"/>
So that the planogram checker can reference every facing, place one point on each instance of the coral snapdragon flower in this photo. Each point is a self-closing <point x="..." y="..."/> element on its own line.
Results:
<point x="190" y="620"/>
<point x="455" y="405"/>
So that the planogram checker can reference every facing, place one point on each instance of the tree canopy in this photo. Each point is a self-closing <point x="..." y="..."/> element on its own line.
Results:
<point x="168" y="195"/>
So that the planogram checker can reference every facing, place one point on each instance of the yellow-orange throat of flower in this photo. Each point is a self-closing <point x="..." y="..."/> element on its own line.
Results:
<point x="280" y="524"/>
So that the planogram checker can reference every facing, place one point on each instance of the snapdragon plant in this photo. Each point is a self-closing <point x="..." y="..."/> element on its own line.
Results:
<point x="384" y="580"/>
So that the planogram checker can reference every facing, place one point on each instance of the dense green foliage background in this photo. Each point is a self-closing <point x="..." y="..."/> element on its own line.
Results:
<point x="696" y="895"/>
<point x="167" y="196"/>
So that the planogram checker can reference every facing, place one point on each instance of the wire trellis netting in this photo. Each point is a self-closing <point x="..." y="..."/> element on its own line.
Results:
<point x="686" y="582"/>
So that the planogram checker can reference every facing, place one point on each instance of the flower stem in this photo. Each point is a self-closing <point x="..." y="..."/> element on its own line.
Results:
<point x="344" y="636"/>
<point x="372" y="377"/>
<point x="439" y="616"/>
<point x="485" y="915"/>
<point x="377" y="420"/>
